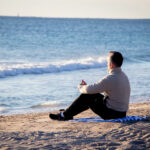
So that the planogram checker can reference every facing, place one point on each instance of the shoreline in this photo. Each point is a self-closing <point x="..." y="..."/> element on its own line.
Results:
<point x="41" y="112"/>
<point x="36" y="130"/>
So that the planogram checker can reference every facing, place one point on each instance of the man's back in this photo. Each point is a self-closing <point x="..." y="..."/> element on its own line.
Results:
<point x="116" y="86"/>
<point x="118" y="90"/>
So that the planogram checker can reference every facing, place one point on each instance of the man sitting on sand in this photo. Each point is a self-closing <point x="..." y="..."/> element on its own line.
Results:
<point x="115" y="101"/>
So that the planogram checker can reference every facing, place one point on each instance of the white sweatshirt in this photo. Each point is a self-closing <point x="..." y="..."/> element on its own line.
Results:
<point x="116" y="86"/>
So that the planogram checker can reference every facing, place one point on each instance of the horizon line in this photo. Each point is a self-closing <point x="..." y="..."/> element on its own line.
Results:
<point x="18" y="16"/>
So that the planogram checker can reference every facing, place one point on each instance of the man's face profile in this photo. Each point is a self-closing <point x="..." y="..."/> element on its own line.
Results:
<point x="109" y="63"/>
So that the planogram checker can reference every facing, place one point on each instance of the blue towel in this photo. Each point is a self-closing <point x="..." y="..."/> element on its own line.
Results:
<point x="122" y="120"/>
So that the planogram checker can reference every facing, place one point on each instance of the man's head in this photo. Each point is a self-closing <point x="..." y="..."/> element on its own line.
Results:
<point x="115" y="60"/>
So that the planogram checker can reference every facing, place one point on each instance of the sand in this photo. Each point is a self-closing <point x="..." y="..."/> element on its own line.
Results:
<point x="37" y="131"/>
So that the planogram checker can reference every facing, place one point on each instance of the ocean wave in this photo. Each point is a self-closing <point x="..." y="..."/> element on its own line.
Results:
<point x="46" y="67"/>
<point x="47" y="104"/>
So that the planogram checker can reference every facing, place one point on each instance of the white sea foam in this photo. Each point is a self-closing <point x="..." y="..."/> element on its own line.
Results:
<point x="47" y="104"/>
<point x="2" y="109"/>
<point x="40" y="68"/>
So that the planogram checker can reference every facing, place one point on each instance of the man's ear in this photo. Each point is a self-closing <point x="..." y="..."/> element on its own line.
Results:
<point x="112" y="65"/>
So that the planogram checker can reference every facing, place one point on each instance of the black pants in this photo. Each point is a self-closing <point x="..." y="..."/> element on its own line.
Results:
<point x="97" y="103"/>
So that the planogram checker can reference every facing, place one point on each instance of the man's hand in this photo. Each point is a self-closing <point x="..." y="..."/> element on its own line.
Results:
<point x="83" y="83"/>
<point x="81" y="86"/>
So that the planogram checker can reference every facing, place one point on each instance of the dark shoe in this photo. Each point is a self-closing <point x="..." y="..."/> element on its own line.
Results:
<point x="59" y="117"/>
<point x="61" y="110"/>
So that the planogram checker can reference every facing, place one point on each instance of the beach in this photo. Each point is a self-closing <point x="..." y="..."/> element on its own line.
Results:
<point x="37" y="131"/>
<point x="42" y="61"/>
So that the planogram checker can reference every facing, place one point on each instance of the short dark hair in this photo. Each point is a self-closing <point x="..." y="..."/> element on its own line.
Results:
<point x="116" y="58"/>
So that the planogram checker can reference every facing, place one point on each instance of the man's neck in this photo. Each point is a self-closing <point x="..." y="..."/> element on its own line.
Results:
<point x="115" y="70"/>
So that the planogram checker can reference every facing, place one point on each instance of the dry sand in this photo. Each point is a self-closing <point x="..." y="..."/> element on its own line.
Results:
<point x="37" y="131"/>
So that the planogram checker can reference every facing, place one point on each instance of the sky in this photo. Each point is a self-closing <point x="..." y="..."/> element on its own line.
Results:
<point x="76" y="8"/>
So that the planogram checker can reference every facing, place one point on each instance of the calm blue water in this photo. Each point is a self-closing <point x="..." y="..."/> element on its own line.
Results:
<point x="42" y="60"/>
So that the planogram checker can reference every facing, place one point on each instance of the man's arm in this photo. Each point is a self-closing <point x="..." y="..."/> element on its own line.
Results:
<point x="98" y="87"/>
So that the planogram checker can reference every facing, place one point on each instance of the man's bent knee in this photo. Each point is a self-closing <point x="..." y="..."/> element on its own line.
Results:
<point x="90" y="96"/>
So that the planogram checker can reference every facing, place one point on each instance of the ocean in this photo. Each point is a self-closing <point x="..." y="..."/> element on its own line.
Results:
<point x="42" y="60"/>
